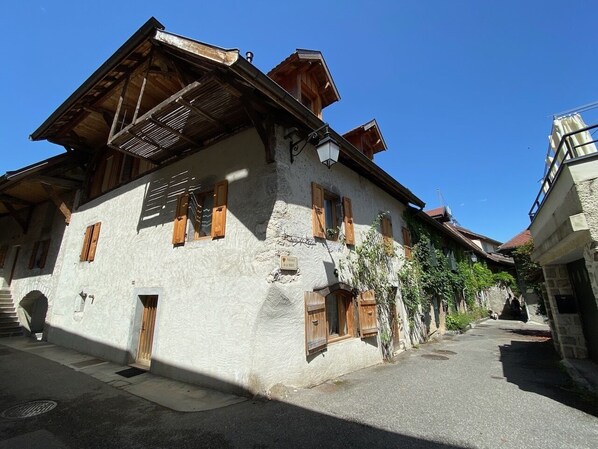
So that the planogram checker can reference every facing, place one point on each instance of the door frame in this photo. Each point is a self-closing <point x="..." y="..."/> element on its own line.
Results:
<point x="137" y="316"/>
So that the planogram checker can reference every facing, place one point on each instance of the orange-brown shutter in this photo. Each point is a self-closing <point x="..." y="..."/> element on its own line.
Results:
<point x="348" y="219"/>
<point x="219" y="211"/>
<point x="33" y="254"/>
<point x="315" y="323"/>
<point x="86" y="242"/>
<point x="368" y="321"/>
<point x="407" y="243"/>
<point x="386" y="226"/>
<point x="95" y="235"/>
<point x="317" y="210"/>
<point x="180" y="220"/>
<point x="3" y="252"/>
<point x="44" y="254"/>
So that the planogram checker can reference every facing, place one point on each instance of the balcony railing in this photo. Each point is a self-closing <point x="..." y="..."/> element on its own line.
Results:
<point x="566" y="150"/>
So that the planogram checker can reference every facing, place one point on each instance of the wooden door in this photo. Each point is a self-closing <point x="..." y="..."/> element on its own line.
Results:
<point x="588" y="311"/>
<point x="146" y="336"/>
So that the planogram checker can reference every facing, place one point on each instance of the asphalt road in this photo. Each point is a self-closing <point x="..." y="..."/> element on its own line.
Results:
<point x="497" y="386"/>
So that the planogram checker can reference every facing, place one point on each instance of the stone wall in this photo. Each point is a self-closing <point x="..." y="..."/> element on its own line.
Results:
<point x="568" y="327"/>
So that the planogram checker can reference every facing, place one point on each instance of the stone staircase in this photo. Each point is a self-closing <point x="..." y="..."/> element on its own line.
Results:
<point x="9" y="323"/>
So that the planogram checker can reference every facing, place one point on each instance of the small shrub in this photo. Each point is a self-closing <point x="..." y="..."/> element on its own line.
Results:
<point x="458" y="321"/>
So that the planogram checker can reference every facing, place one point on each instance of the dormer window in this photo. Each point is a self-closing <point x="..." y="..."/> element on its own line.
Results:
<point x="367" y="138"/>
<point x="305" y="76"/>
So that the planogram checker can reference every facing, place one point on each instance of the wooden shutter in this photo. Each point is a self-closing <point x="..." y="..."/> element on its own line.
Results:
<point x="33" y="254"/>
<point x="368" y="320"/>
<point x="348" y="219"/>
<point x="3" y="252"/>
<point x="315" y="323"/>
<point x="44" y="255"/>
<point x="95" y="235"/>
<point x="180" y="220"/>
<point x="219" y="211"/>
<point x="317" y="210"/>
<point x="388" y="240"/>
<point x="86" y="242"/>
<point x="407" y="243"/>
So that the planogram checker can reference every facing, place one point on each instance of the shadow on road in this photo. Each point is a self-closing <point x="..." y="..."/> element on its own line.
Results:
<point x="531" y="363"/>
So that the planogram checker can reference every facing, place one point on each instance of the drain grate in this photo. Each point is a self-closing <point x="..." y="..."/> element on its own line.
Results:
<point x="435" y="357"/>
<point x="28" y="409"/>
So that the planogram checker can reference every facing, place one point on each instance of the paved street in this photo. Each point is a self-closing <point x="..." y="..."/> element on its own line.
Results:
<point x="497" y="386"/>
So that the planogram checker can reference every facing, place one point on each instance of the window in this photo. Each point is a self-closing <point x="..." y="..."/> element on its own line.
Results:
<point x="326" y="215"/>
<point x="407" y="243"/>
<point x="39" y="254"/>
<point x="90" y="242"/>
<point x="207" y="213"/>
<point x="337" y="316"/>
<point x="114" y="168"/>
<point x="201" y="207"/>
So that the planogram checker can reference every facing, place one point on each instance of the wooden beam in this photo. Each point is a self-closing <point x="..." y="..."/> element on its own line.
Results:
<point x="107" y="115"/>
<point x="22" y="222"/>
<point x="60" y="182"/>
<point x="143" y="84"/>
<point x="264" y="129"/>
<point x="13" y="200"/>
<point x="58" y="202"/>
<point x="121" y="100"/>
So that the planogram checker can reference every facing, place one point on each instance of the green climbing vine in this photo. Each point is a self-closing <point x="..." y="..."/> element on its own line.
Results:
<point x="370" y="266"/>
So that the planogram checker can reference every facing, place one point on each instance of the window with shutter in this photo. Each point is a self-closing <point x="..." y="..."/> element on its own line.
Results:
<point x="315" y="323"/>
<point x="39" y="254"/>
<point x="407" y="243"/>
<point x="326" y="212"/>
<point x="317" y="210"/>
<point x="368" y="320"/>
<point x="388" y="240"/>
<point x="348" y="221"/>
<point x="90" y="242"/>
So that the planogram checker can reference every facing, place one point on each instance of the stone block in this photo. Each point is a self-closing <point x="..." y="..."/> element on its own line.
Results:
<point x="568" y="352"/>
<point x="563" y="271"/>
<point x="549" y="272"/>
<point x="581" y="353"/>
<point x="569" y="341"/>
<point x="563" y="284"/>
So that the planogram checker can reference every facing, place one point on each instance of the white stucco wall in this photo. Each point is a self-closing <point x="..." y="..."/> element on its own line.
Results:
<point x="227" y="316"/>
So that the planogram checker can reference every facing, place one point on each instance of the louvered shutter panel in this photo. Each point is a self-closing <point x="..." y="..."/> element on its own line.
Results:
<point x="33" y="254"/>
<point x="388" y="240"/>
<point x="368" y="320"/>
<point x="348" y="219"/>
<point x="180" y="220"/>
<point x="317" y="210"/>
<point x="95" y="235"/>
<point x="315" y="323"/>
<point x="44" y="254"/>
<point x="86" y="242"/>
<point x="407" y="243"/>
<point x="219" y="211"/>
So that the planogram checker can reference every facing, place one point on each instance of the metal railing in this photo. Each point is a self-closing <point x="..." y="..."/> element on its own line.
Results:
<point x="570" y="152"/>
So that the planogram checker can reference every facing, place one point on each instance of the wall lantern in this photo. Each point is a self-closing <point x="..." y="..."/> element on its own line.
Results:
<point x="327" y="148"/>
<point x="472" y="256"/>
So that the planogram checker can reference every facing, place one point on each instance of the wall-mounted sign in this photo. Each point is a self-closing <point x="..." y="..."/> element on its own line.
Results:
<point x="288" y="263"/>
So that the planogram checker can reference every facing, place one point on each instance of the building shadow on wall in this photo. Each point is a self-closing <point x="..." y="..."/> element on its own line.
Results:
<point x="531" y="362"/>
<point x="257" y="423"/>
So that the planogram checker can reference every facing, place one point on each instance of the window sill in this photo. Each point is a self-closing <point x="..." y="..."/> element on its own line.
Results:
<point x="339" y="339"/>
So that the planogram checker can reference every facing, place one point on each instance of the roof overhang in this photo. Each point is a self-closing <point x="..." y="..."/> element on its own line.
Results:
<point x="371" y="132"/>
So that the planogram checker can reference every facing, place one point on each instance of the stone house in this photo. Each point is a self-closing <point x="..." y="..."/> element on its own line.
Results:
<point x="564" y="226"/>
<point x="204" y="235"/>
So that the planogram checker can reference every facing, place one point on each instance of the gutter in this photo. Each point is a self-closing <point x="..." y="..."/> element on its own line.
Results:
<point x="133" y="42"/>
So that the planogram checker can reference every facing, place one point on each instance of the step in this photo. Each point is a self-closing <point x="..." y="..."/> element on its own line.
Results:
<point x="6" y="301"/>
<point x="11" y="334"/>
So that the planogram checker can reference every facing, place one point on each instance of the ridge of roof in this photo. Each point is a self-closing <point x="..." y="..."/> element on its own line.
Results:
<point x="520" y="239"/>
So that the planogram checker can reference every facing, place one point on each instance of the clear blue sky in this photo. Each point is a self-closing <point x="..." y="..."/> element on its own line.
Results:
<point x="463" y="91"/>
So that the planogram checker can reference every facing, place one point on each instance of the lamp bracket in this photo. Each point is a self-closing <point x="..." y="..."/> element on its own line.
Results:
<point x="313" y="138"/>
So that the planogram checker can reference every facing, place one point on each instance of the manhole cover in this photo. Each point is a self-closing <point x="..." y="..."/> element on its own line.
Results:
<point x="435" y="357"/>
<point x="444" y="351"/>
<point x="28" y="409"/>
